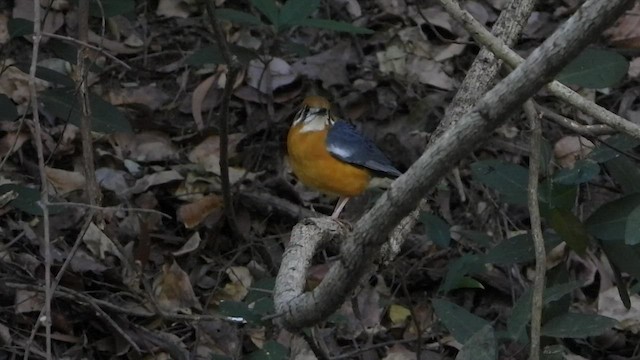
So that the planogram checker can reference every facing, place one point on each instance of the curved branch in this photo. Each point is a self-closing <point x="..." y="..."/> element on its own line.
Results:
<point x="300" y="309"/>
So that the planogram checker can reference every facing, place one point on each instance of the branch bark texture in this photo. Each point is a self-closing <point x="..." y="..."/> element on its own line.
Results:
<point x="298" y="309"/>
<point x="485" y="67"/>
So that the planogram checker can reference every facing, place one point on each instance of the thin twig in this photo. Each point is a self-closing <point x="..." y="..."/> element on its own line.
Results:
<point x="89" y="46"/>
<point x="111" y="208"/>
<point x="536" y="228"/>
<point x="589" y="130"/>
<point x="44" y="197"/>
<point x="223" y="117"/>
<point x="317" y="351"/>
<point x="91" y="184"/>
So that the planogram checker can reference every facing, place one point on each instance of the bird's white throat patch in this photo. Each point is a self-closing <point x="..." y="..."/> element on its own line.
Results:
<point x="313" y="121"/>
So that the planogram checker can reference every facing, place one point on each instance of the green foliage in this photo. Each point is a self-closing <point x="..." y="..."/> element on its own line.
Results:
<point x="614" y="145"/>
<point x="609" y="221"/>
<point x="517" y="249"/>
<point x="481" y="346"/>
<point x="292" y="13"/>
<point x="8" y="110"/>
<point x="461" y="323"/>
<point x="509" y="180"/>
<point x="238" y="17"/>
<point x="437" y="230"/>
<point x="19" y="27"/>
<point x="239" y="311"/>
<point x="26" y="199"/>
<point x="570" y="229"/>
<point x="110" y="8"/>
<point x="458" y="269"/>
<point x="595" y="68"/>
<point x="106" y="118"/>
<point x="625" y="173"/>
<point x="49" y="75"/>
<point x="521" y="313"/>
<point x="272" y="350"/>
<point x="573" y="325"/>
<point x="583" y="171"/>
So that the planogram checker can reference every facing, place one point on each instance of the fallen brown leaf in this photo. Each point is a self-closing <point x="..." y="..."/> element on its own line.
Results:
<point x="65" y="181"/>
<point x="191" y="215"/>
<point x="173" y="290"/>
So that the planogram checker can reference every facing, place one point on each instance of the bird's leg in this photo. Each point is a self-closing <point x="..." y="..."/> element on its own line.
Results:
<point x="339" y="206"/>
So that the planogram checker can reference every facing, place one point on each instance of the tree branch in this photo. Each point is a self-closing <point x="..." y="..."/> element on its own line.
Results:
<point x="300" y="309"/>
<point x="91" y="185"/>
<point x="484" y="37"/>
<point x="536" y="228"/>
<point x="44" y="192"/>
<point x="485" y="67"/>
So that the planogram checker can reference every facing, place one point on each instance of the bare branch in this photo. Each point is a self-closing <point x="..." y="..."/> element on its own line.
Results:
<point x="91" y="184"/>
<point x="536" y="227"/>
<point x="44" y="193"/>
<point x="485" y="67"/>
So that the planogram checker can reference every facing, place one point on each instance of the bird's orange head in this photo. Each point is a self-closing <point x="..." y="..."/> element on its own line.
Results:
<point x="315" y="114"/>
<point x="315" y="101"/>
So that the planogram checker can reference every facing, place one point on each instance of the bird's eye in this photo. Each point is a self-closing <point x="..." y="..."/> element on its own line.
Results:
<point x="321" y="112"/>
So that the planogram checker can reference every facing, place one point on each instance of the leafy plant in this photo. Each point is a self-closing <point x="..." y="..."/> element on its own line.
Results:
<point x="595" y="68"/>
<point x="292" y="13"/>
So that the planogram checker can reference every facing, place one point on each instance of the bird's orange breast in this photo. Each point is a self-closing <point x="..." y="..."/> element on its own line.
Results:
<point x="316" y="168"/>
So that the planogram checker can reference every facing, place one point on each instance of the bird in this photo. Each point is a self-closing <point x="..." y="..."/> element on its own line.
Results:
<point x="331" y="156"/>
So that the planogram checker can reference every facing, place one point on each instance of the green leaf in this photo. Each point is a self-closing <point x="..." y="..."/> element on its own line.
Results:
<point x="111" y="8"/>
<point x="583" y="171"/>
<point x="624" y="172"/>
<point x="264" y="306"/>
<point x="556" y="196"/>
<point x="570" y="229"/>
<point x="546" y="152"/>
<point x="481" y="346"/>
<point x="262" y="288"/>
<point x="106" y="118"/>
<point x="632" y="228"/>
<point x="553" y="352"/>
<point x="238" y="17"/>
<point x="46" y="74"/>
<point x="338" y="26"/>
<point x="294" y="11"/>
<point x="20" y="27"/>
<point x="624" y="256"/>
<point x="27" y="199"/>
<point x="595" y="68"/>
<point x="521" y="312"/>
<point x="509" y="180"/>
<point x="213" y="55"/>
<point x="609" y="221"/>
<point x="461" y="323"/>
<point x="239" y="310"/>
<point x="437" y="229"/>
<point x="478" y="237"/>
<point x="458" y="269"/>
<point x="578" y="326"/>
<point x="269" y="9"/>
<point x="220" y="357"/>
<point x="8" y="110"/>
<point x="517" y="249"/>
<point x="612" y="146"/>
<point x="272" y="350"/>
